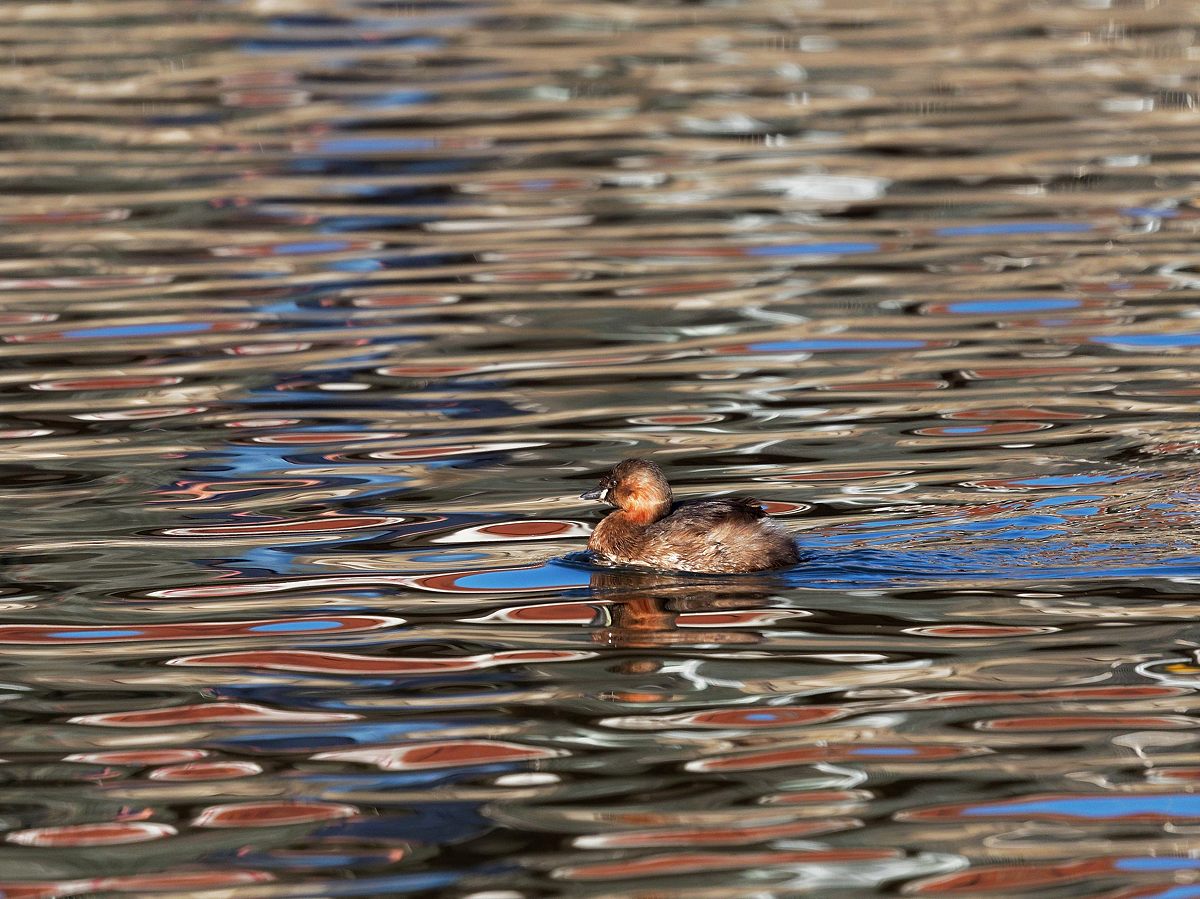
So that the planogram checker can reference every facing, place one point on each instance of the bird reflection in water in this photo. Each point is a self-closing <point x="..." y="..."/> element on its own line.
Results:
<point x="656" y="609"/>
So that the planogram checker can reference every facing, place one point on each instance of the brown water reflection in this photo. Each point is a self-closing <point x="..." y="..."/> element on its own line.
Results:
<point x="316" y="316"/>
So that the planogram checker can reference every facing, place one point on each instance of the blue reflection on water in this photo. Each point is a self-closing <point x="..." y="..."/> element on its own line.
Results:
<point x="374" y="144"/>
<point x="853" y="568"/>
<point x="1066" y="500"/>
<point x="780" y="346"/>
<point x="551" y="575"/>
<point x="346" y="735"/>
<point x="1150" y="212"/>
<point x="90" y="635"/>
<point x="310" y="246"/>
<point x="1015" y="228"/>
<point x="1149" y="340"/>
<point x="1029" y="304"/>
<point x="1074" y="480"/>
<point x="1170" y="805"/>
<point x="1156" y="864"/>
<point x="397" y="98"/>
<point x="390" y="885"/>
<point x="148" y="330"/>
<point x="812" y="249"/>
<point x="338" y="223"/>
<point x="306" y="624"/>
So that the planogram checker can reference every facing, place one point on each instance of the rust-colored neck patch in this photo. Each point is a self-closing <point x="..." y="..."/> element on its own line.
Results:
<point x="643" y="509"/>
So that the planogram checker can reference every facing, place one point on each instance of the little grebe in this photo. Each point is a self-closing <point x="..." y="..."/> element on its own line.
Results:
<point x="720" y="536"/>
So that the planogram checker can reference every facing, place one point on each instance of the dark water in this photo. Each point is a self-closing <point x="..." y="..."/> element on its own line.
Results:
<point x="317" y="317"/>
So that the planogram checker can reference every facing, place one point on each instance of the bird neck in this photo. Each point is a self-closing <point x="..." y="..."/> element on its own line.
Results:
<point x="644" y="511"/>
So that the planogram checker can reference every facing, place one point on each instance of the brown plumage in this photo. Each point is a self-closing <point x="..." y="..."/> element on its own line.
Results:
<point x="720" y="536"/>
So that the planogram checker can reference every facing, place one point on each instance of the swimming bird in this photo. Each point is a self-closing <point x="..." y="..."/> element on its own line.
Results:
<point x="718" y="536"/>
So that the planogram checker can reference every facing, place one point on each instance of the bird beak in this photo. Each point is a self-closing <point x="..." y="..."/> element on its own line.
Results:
<point x="599" y="493"/>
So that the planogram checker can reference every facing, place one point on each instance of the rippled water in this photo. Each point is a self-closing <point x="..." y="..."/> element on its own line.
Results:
<point x="317" y="317"/>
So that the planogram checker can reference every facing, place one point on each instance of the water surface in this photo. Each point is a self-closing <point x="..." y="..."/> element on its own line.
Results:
<point x="318" y="316"/>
